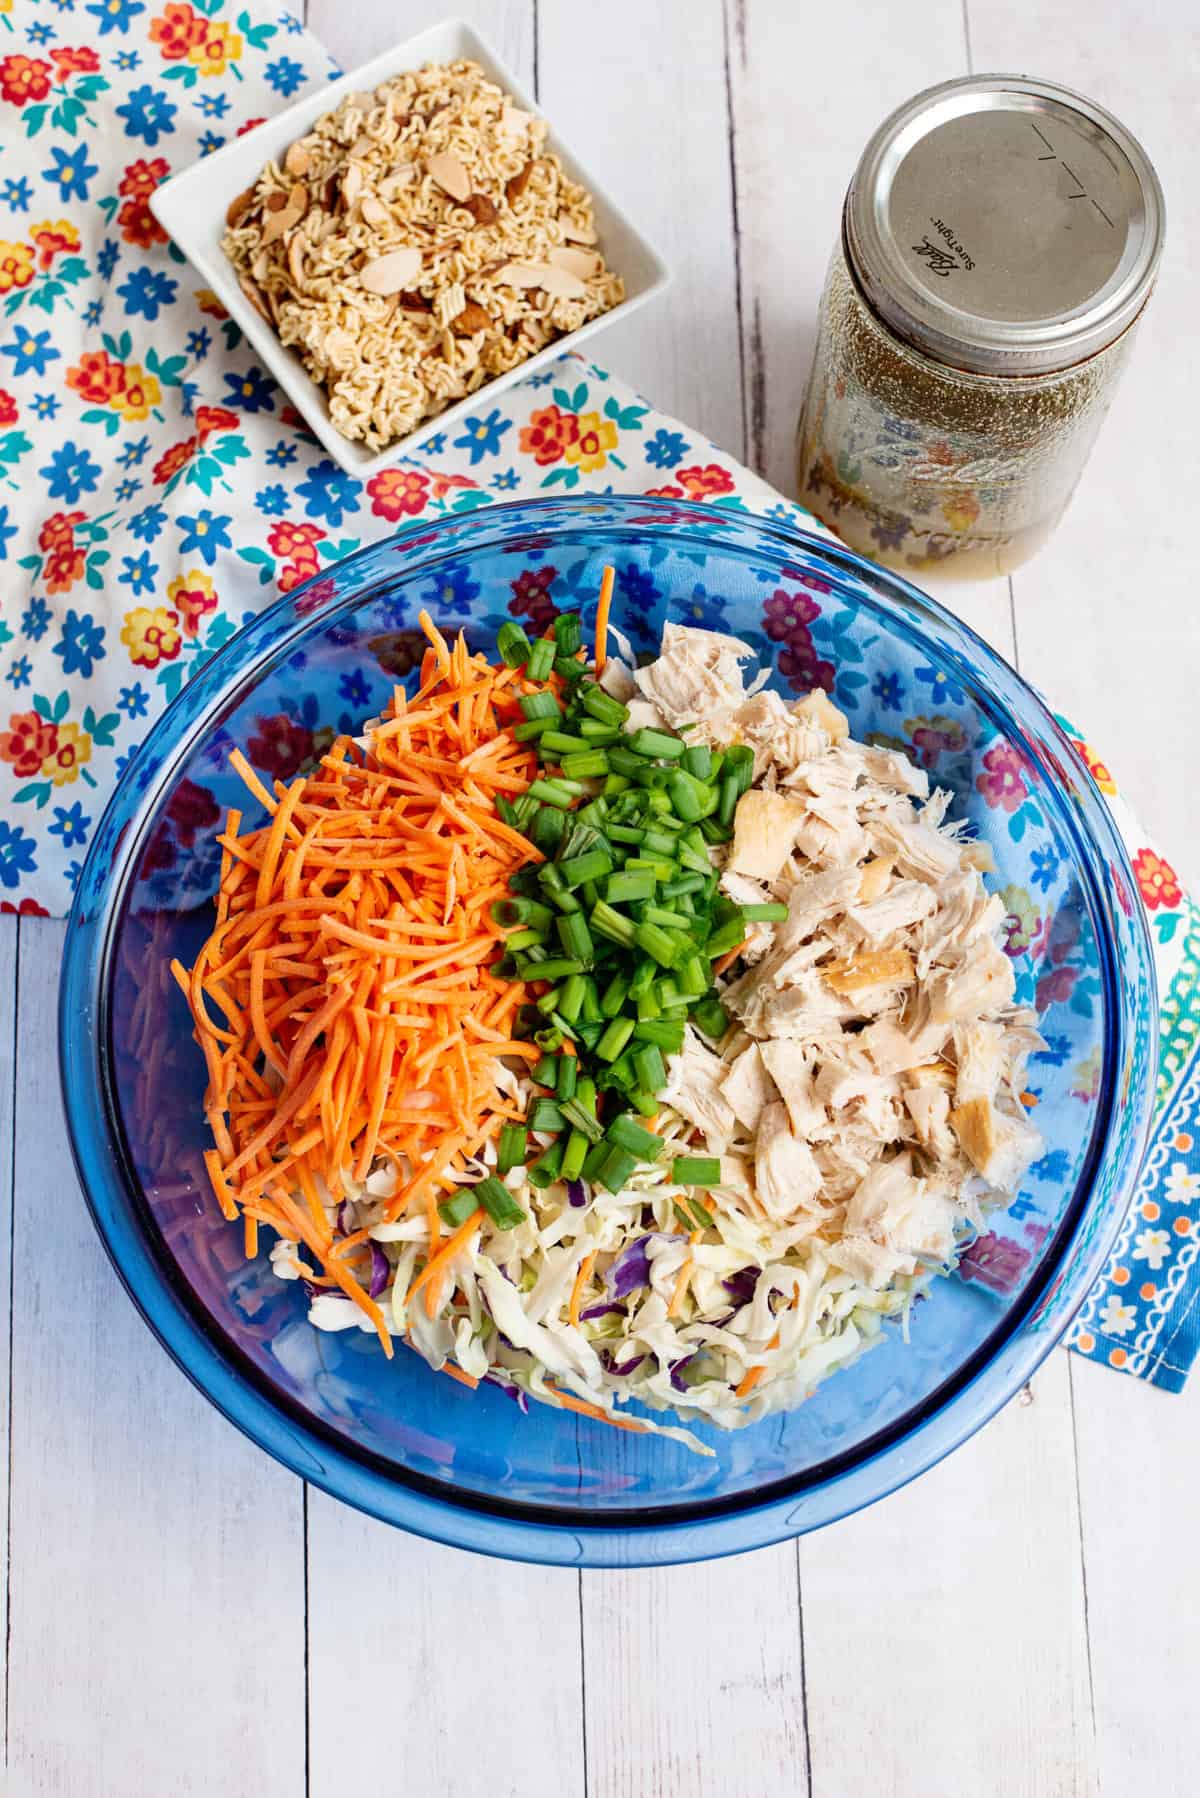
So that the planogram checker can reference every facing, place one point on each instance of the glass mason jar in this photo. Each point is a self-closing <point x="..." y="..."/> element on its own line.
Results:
<point x="999" y="241"/>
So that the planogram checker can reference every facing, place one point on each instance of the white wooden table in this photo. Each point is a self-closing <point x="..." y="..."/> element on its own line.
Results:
<point x="182" y="1616"/>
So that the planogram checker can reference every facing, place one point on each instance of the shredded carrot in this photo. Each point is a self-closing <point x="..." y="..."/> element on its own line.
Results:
<point x="581" y="1280"/>
<point x="456" y="1373"/>
<point x="570" y="1403"/>
<point x="684" y="1278"/>
<point x="344" y="1001"/>
<point x="438" y="1263"/>
<point x="730" y="956"/>
<point x="603" y="607"/>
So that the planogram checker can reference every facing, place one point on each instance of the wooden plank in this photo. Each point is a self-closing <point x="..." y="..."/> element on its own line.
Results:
<point x="353" y="34"/>
<point x="695" y="1682"/>
<point x="1106" y="614"/>
<point x="944" y="1632"/>
<point x="9" y="935"/>
<point x="156" y="1606"/>
<point x="641" y="92"/>
<point x="470" y="1665"/>
<point x="1139" y="1465"/>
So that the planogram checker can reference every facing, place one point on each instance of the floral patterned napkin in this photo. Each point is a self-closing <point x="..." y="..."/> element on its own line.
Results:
<point x="156" y="491"/>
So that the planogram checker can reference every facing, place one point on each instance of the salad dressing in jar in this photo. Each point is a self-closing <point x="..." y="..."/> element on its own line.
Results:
<point x="999" y="241"/>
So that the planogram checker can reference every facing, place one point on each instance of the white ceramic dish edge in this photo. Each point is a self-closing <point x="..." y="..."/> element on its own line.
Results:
<point x="191" y="208"/>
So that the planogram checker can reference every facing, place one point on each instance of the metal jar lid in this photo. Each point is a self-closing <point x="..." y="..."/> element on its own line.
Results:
<point x="1004" y="225"/>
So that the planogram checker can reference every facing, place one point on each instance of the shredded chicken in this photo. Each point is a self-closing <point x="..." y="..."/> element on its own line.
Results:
<point x="872" y="1087"/>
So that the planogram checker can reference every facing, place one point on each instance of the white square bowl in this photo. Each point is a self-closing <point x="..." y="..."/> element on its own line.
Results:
<point x="191" y="208"/>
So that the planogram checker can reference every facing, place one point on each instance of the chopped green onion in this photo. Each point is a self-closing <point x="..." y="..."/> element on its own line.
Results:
<point x="545" y="1115"/>
<point x="725" y="937"/>
<point x="506" y="912"/>
<point x="580" y="1118"/>
<point x="542" y="704"/>
<point x="628" y="1135"/>
<point x="571" y="996"/>
<point x="561" y="741"/>
<point x="602" y="705"/>
<point x="595" y="1158"/>
<point x="588" y="764"/>
<point x="698" y="761"/>
<point x="568" y="633"/>
<point x="623" y="761"/>
<point x="499" y="1203"/>
<point x="670" y="920"/>
<point x="574" y="1155"/>
<point x="614" y="1039"/>
<point x="523" y="939"/>
<point x="663" y="946"/>
<point x="598" y="735"/>
<point x="568" y="1077"/>
<point x="556" y="968"/>
<point x="612" y="924"/>
<point x="552" y="792"/>
<point x="457" y="1210"/>
<point x="693" y="799"/>
<point x="577" y="869"/>
<point x="662" y="1032"/>
<point x="656" y="743"/>
<point x="696" y="1170"/>
<point x="693" y="978"/>
<point x="644" y="975"/>
<point x="546" y="1071"/>
<point x="616" y="1168"/>
<point x="545" y="1170"/>
<point x="532" y="730"/>
<point x="512" y="1146"/>
<point x="575" y="937"/>
<point x="772" y="913"/>
<point x="614" y="995"/>
<point x="711" y="1017"/>
<point x="548" y="827"/>
<point x="650" y="1067"/>
<point x="513" y="645"/>
<point x="627" y="888"/>
<point x="540" y="659"/>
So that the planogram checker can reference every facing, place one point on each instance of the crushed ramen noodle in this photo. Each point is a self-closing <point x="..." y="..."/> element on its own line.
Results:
<point x="417" y="242"/>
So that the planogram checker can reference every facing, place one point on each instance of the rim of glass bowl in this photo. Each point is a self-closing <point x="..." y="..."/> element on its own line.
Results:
<point x="644" y="1535"/>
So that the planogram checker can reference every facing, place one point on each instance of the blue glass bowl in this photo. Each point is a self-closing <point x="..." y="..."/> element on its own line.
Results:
<point x="398" y="1440"/>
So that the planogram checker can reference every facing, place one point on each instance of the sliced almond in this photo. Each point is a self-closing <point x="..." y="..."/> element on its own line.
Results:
<point x="275" y="202"/>
<point x="296" y="251"/>
<point x="584" y="263"/>
<point x="881" y="967"/>
<point x="277" y="223"/>
<point x="238" y="208"/>
<point x="513" y="121"/>
<point x="329" y="193"/>
<point x="360" y="102"/>
<point x="255" y="297"/>
<point x="450" y="174"/>
<point x="391" y="273"/>
<point x="374" y="211"/>
<point x="261" y="265"/>
<point x="554" y="281"/>
<point x="472" y="318"/>
<point x="413" y="302"/>
<point x="578" y="233"/>
<point x="283" y="219"/>
<point x="482" y="209"/>
<point x="297" y="160"/>
<point x="516" y="184"/>
<point x="362" y="146"/>
<point x="352" y="182"/>
<point x="400" y="177"/>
